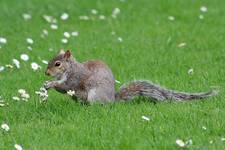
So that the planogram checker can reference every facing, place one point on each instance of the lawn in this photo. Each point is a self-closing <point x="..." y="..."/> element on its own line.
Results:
<point x="155" y="40"/>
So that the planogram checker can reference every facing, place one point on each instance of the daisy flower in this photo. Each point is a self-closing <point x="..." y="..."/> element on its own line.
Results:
<point x="5" y="127"/>
<point x="3" y="40"/>
<point x="203" y="9"/>
<point x="15" y="98"/>
<point x="24" y="57"/>
<point x="26" y="16"/>
<point x="16" y="63"/>
<point x="2" y="68"/>
<point x="145" y="118"/>
<point x="18" y="147"/>
<point x="64" y="41"/>
<point x="54" y="26"/>
<point x="94" y="11"/>
<point x="84" y="18"/>
<point x="75" y="33"/>
<point x="115" y="12"/>
<point x="66" y="34"/>
<point x="71" y="93"/>
<point x="102" y="17"/>
<point x="180" y="143"/>
<point x="171" y="18"/>
<point x="64" y="16"/>
<point x="35" y="66"/>
<point x="191" y="71"/>
<point x="30" y="41"/>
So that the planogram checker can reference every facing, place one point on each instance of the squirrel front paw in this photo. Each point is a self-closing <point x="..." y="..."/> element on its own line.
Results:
<point x="49" y="84"/>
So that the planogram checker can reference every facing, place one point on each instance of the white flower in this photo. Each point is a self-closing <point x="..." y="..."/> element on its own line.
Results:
<point x="75" y="33"/>
<point x="117" y="81"/>
<point x="182" y="45"/>
<point x="171" y="18"/>
<point x="102" y="17"/>
<point x="64" y="16"/>
<point x="191" y="71"/>
<point x="211" y="141"/>
<point x="25" y="96"/>
<point x="25" y="99"/>
<point x="35" y="66"/>
<point x="26" y="16"/>
<point x="15" y="98"/>
<point x="24" y="57"/>
<point x="94" y="11"/>
<point x="16" y="63"/>
<point x="145" y="118"/>
<point x="29" y="48"/>
<point x="45" y="62"/>
<point x="2" y="68"/>
<point x="66" y="34"/>
<point x="204" y="128"/>
<point x="203" y="9"/>
<point x="201" y="17"/>
<point x="5" y="127"/>
<point x="189" y="142"/>
<point x="45" y="32"/>
<point x="30" y="41"/>
<point x="222" y="139"/>
<point x="18" y="147"/>
<point x="71" y="93"/>
<point x="9" y="66"/>
<point x="54" y="27"/>
<point x="115" y="12"/>
<point x="3" y="40"/>
<point x="84" y="18"/>
<point x="1" y="104"/>
<point x="64" y="41"/>
<point x="120" y="39"/>
<point x="48" y="18"/>
<point x="21" y="91"/>
<point x="42" y="93"/>
<point x="180" y="143"/>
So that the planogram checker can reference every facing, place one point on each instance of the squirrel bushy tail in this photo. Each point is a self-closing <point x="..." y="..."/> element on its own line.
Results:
<point x="148" y="89"/>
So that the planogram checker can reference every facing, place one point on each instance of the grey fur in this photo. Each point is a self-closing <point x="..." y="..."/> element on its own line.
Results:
<point x="83" y="80"/>
<point x="93" y="81"/>
<point x="158" y="93"/>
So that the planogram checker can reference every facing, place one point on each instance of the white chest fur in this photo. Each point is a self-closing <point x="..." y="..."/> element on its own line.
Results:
<point x="62" y="79"/>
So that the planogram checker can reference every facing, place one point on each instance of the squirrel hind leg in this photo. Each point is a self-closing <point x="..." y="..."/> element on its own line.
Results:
<point x="100" y="95"/>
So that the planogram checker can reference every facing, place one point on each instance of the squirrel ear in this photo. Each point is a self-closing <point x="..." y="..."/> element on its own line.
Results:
<point x="67" y="54"/>
<point x="61" y="51"/>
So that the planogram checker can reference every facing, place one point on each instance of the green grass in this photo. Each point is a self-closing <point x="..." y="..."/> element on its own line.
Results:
<point x="149" y="51"/>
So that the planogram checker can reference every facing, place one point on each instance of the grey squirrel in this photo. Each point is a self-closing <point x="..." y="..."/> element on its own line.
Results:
<point x="93" y="81"/>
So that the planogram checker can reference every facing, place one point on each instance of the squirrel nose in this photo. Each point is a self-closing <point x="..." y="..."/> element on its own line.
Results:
<point x="47" y="72"/>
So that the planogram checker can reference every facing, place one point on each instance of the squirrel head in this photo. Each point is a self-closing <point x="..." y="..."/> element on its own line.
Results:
<point x="59" y="64"/>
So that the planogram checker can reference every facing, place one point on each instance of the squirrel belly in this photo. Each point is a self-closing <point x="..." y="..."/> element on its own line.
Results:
<point x="155" y="92"/>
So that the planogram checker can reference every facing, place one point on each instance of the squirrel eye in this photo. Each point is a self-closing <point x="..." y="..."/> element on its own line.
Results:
<point x="57" y="64"/>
